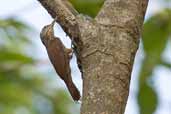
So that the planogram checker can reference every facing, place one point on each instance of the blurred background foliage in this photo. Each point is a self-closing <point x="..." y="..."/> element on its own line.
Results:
<point x="87" y="7"/>
<point x="23" y="86"/>
<point x="155" y="37"/>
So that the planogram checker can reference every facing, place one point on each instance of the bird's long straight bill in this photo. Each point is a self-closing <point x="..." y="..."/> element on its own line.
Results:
<point x="53" y="22"/>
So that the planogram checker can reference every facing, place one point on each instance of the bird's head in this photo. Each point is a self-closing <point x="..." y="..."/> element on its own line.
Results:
<point x="47" y="32"/>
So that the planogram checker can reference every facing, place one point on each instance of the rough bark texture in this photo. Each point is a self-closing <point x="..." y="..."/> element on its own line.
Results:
<point x="106" y="49"/>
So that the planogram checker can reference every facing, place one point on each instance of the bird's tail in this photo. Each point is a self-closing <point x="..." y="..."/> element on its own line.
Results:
<point x="73" y="90"/>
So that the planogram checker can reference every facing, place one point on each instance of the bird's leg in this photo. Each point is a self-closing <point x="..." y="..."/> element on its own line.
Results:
<point x="72" y="45"/>
<point x="69" y="52"/>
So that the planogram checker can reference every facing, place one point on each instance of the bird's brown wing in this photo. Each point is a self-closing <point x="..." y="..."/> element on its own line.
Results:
<point x="58" y="57"/>
<point x="60" y="60"/>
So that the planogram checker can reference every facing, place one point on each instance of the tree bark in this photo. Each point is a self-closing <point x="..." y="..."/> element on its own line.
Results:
<point x="106" y="48"/>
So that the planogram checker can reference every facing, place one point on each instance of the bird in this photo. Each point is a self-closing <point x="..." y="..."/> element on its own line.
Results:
<point x="60" y="57"/>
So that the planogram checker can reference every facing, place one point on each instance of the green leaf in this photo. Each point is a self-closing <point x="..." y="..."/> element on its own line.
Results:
<point x="13" y="22"/>
<point x="16" y="35"/>
<point x="147" y="99"/>
<point x="156" y="32"/>
<point x="6" y="56"/>
<point x="155" y="35"/>
<point x="166" y="64"/>
<point x="15" y="31"/>
<point x="62" y="97"/>
<point x="88" y="7"/>
<point x="13" y="93"/>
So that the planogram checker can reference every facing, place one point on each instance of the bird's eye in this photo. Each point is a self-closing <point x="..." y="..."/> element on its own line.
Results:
<point x="45" y="27"/>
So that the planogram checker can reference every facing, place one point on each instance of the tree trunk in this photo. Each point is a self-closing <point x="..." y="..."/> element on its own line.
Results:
<point x="106" y="48"/>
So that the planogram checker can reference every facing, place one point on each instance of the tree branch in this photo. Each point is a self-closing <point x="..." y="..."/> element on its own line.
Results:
<point x="115" y="31"/>
<point x="122" y="13"/>
<point x="65" y="13"/>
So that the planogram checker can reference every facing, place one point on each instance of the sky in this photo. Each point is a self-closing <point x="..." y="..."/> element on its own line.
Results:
<point x="31" y="12"/>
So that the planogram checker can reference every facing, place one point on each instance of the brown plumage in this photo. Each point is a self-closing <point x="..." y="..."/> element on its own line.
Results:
<point x="59" y="57"/>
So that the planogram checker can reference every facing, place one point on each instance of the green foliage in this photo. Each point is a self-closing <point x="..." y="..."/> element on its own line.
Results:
<point x="14" y="31"/>
<point x="21" y="83"/>
<point x="155" y="29"/>
<point x="155" y="36"/>
<point x="147" y="99"/>
<point x="88" y="7"/>
<point x="8" y="56"/>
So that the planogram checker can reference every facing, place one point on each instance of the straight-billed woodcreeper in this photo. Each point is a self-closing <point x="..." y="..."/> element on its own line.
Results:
<point x="60" y="57"/>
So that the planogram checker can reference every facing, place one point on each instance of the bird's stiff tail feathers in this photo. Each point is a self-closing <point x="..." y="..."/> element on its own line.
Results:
<point x="73" y="90"/>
